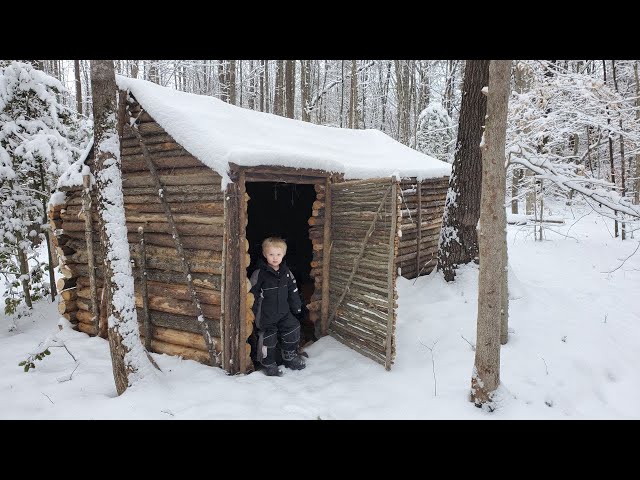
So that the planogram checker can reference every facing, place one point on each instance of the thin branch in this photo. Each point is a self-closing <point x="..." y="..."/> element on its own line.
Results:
<point x="545" y="365"/>
<point x="473" y="347"/>
<point x="433" y="367"/>
<point x="623" y="262"/>
<point x="326" y="90"/>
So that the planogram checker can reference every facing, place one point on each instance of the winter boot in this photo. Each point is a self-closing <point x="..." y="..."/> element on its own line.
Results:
<point x="273" y="371"/>
<point x="293" y="361"/>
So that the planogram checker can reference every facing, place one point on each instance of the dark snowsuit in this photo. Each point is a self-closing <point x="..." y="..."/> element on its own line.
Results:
<point x="276" y="298"/>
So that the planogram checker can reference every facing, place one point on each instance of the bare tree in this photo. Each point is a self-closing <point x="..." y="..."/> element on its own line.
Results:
<point x="278" y="96"/>
<point x="129" y="359"/>
<point x="636" y="197"/>
<point x="76" y="68"/>
<point x="613" y="169"/>
<point x="290" y="87"/>
<point x="231" y="82"/>
<point x="353" y="98"/>
<point x="459" y="238"/>
<point x="222" y="80"/>
<point x="486" y="372"/>
<point x="305" y="89"/>
<point x="623" y="168"/>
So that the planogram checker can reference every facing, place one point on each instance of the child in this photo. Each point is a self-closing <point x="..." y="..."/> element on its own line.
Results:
<point x="276" y="298"/>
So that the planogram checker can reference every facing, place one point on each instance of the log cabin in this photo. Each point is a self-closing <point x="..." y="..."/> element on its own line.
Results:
<point x="356" y="208"/>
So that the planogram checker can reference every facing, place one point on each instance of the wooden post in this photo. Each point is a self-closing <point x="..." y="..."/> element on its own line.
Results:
<point x="88" y="236"/>
<point x="144" y="292"/>
<point x="326" y="256"/>
<point x="391" y="273"/>
<point x="206" y="328"/>
<point x="419" y="230"/>
<point x="232" y="264"/>
<point x="242" y="314"/>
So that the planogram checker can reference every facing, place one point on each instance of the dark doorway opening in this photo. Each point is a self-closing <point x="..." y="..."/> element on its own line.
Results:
<point x="283" y="210"/>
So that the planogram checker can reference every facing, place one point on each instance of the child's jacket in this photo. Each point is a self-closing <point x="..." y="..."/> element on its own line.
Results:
<point x="275" y="292"/>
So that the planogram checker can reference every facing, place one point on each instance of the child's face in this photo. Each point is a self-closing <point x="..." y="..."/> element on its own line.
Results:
<point x="274" y="256"/>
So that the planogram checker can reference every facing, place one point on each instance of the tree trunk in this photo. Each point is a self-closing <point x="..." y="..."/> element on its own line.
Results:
<point x="76" y="68"/>
<point x="290" y="88"/>
<point x="267" y="103"/>
<point x="353" y="98"/>
<point x="134" y="68"/>
<point x="385" y="93"/>
<point x="449" y="86"/>
<point x="222" y="80"/>
<point x="278" y="96"/>
<point x="128" y="356"/>
<point x="403" y="95"/>
<point x="486" y="373"/>
<point x="261" y="81"/>
<point x="24" y="272"/>
<point x="342" y="93"/>
<point x="231" y="84"/>
<point x="516" y="175"/>
<point x="623" y="166"/>
<point x="459" y="238"/>
<point x="613" y="170"/>
<point x="153" y="72"/>
<point x="47" y="234"/>
<point x="305" y="89"/>
<point x="636" y="196"/>
<point x="251" y="99"/>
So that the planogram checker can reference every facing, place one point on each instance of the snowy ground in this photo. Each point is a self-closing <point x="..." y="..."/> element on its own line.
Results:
<point x="573" y="352"/>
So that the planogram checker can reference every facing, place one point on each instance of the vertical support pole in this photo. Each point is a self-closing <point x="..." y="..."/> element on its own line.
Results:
<point x="391" y="273"/>
<point x="419" y="229"/>
<point x="232" y="277"/>
<point x="326" y="258"/>
<point x="144" y="292"/>
<point x="242" y="340"/>
<point x="88" y="236"/>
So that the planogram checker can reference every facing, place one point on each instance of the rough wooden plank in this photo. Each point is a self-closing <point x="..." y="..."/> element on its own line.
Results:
<point x="232" y="279"/>
<point x="243" y="335"/>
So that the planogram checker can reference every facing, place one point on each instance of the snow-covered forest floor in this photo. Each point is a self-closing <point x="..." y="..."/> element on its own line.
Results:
<point x="573" y="351"/>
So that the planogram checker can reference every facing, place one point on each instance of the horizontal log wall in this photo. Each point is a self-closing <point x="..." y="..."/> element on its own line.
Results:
<point x="418" y="247"/>
<point x="197" y="203"/>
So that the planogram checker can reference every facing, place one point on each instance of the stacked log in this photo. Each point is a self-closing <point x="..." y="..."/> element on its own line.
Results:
<point x="66" y="286"/>
<point x="421" y="203"/>
<point x="316" y="235"/>
<point x="197" y="203"/>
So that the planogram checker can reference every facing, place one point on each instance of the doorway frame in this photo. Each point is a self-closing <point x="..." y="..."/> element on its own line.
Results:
<point x="234" y="328"/>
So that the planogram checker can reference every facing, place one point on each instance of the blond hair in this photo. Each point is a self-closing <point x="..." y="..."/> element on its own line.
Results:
<point x="274" y="242"/>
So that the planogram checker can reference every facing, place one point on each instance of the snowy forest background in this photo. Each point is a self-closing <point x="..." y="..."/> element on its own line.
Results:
<point x="579" y="117"/>
<point x="571" y="123"/>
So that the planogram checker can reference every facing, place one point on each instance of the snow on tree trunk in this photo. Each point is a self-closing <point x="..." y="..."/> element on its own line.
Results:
<point x="491" y="282"/>
<point x="636" y="196"/>
<point x="458" y="238"/>
<point x="129" y="359"/>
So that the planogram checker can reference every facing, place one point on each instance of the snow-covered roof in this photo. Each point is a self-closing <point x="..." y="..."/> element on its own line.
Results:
<point x="218" y="133"/>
